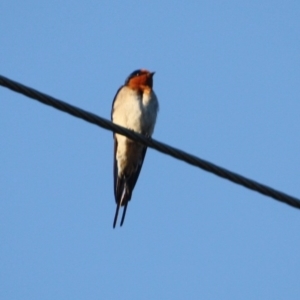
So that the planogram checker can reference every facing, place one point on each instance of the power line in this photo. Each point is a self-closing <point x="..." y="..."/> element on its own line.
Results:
<point x="176" y="153"/>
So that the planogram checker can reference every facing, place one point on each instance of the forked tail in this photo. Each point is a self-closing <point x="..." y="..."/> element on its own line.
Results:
<point x="120" y="203"/>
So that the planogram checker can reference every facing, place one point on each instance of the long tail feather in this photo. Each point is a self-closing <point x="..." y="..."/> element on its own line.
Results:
<point x="123" y="202"/>
<point x="124" y="213"/>
<point x="116" y="215"/>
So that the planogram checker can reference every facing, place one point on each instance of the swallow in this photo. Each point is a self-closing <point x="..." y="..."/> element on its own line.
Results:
<point x="135" y="107"/>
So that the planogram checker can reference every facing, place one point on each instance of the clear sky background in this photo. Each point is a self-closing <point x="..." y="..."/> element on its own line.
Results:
<point x="228" y="82"/>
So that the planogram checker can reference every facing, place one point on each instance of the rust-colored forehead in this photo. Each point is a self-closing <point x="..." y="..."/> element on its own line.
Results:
<point x="140" y="79"/>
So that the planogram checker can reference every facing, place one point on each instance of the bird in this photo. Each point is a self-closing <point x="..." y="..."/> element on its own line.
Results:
<point x="135" y="107"/>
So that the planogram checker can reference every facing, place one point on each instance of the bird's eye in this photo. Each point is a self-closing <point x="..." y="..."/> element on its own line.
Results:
<point x="134" y="74"/>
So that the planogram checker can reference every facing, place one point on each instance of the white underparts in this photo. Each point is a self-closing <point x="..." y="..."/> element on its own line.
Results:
<point x="137" y="112"/>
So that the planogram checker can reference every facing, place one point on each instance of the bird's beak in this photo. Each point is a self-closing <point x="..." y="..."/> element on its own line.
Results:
<point x="152" y="73"/>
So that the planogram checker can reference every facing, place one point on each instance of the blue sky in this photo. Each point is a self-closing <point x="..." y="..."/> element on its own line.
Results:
<point x="227" y="78"/>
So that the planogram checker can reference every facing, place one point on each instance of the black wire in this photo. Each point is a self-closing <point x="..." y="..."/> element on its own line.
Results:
<point x="176" y="153"/>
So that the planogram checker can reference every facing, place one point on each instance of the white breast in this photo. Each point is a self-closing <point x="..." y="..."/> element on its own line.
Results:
<point x="135" y="111"/>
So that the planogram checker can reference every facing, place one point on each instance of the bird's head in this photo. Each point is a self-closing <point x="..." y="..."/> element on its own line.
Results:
<point x="140" y="80"/>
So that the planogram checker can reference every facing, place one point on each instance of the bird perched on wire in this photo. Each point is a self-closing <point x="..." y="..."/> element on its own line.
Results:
<point x="135" y="107"/>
